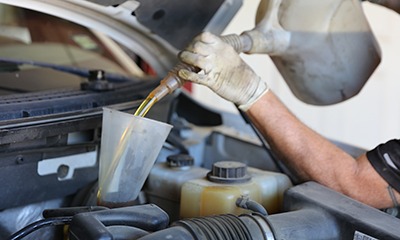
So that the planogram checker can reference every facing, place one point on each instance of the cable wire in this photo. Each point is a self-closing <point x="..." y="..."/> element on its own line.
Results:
<point x="56" y="221"/>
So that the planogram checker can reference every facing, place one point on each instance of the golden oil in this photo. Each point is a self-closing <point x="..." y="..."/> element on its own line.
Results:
<point x="145" y="106"/>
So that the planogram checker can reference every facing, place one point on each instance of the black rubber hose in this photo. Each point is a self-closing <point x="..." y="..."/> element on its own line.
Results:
<point x="175" y="233"/>
<point x="57" y="221"/>
<point x="222" y="227"/>
<point x="177" y="142"/>
<point x="93" y="225"/>
<point x="70" y="211"/>
<point x="246" y="203"/>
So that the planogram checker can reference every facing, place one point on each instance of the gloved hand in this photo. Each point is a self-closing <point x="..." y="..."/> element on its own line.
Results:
<point x="391" y="4"/>
<point x="223" y="71"/>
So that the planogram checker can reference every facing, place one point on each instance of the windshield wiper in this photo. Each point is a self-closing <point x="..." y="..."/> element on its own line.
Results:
<point x="12" y="65"/>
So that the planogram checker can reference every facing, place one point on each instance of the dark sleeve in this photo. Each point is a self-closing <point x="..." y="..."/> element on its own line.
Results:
<point x="385" y="158"/>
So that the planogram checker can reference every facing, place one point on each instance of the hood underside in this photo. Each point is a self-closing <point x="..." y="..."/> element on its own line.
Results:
<point x="156" y="30"/>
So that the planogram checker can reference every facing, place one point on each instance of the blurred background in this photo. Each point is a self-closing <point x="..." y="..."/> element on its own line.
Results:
<point x="370" y="118"/>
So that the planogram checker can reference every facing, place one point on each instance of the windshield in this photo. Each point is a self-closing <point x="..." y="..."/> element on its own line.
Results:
<point x="31" y="35"/>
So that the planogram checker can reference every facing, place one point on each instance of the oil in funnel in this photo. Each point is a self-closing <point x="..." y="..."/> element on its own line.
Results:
<point x="129" y="147"/>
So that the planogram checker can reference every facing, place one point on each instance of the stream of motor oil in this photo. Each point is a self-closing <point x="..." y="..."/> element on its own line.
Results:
<point x="145" y="106"/>
<point x="171" y="81"/>
<point x="140" y="112"/>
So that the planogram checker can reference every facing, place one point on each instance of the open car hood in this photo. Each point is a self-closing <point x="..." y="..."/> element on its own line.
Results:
<point x="50" y="137"/>
<point x="155" y="30"/>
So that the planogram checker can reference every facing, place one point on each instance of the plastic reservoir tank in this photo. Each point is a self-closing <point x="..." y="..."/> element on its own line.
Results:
<point x="164" y="183"/>
<point x="218" y="192"/>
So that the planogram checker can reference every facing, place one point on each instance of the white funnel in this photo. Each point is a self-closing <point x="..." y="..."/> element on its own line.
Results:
<point x="129" y="147"/>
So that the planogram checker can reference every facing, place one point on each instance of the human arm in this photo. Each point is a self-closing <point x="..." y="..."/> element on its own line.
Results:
<point x="312" y="156"/>
<point x="315" y="158"/>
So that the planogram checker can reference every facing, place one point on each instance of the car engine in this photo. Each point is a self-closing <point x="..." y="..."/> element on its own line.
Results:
<point x="214" y="176"/>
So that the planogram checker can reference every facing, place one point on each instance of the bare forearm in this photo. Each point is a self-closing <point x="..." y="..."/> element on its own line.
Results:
<point x="311" y="155"/>
<point x="315" y="158"/>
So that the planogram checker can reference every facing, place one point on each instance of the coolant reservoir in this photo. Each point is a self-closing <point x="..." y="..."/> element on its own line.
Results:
<point x="217" y="193"/>
<point x="163" y="185"/>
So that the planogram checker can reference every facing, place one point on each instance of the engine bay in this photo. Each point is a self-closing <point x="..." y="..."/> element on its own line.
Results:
<point x="214" y="177"/>
<point x="179" y="199"/>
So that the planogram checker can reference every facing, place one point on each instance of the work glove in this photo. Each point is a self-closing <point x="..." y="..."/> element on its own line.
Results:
<point x="391" y="4"/>
<point x="222" y="70"/>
